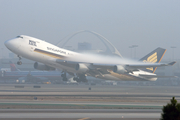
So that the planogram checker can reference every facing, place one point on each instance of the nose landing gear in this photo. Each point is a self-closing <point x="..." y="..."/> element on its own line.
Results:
<point x="19" y="62"/>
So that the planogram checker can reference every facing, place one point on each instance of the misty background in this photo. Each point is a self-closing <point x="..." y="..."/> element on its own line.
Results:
<point x="148" y="24"/>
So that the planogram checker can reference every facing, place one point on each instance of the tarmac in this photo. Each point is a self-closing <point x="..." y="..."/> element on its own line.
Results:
<point x="77" y="102"/>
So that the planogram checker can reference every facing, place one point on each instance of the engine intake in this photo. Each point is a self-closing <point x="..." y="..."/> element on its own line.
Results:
<point x="40" y="66"/>
<point x="81" y="68"/>
<point x="119" y="69"/>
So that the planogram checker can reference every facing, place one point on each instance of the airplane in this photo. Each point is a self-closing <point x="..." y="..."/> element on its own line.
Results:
<point x="29" y="76"/>
<point x="50" y="57"/>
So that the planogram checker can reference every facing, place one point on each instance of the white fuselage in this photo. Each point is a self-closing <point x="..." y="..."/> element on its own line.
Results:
<point x="44" y="52"/>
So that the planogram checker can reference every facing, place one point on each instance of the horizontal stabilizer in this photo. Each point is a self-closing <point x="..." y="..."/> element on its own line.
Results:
<point x="145" y="65"/>
<point x="172" y="63"/>
<point x="157" y="76"/>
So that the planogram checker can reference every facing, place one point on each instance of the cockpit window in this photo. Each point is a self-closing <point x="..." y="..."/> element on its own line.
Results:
<point x="19" y="37"/>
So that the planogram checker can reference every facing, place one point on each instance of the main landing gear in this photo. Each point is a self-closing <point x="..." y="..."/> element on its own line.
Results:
<point x="80" y="78"/>
<point x="64" y="76"/>
<point x="19" y="62"/>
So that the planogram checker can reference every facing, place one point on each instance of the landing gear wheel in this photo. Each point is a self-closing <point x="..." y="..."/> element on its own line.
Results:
<point x="64" y="79"/>
<point x="64" y="76"/>
<point x="76" y="79"/>
<point x="19" y="63"/>
<point x="80" y="78"/>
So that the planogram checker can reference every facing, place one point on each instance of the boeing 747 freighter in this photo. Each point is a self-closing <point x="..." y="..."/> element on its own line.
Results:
<point x="50" y="57"/>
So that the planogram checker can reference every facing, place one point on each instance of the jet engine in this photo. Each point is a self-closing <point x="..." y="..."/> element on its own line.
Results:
<point x="119" y="69"/>
<point x="81" y="68"/>
<point x="40" y="66"/>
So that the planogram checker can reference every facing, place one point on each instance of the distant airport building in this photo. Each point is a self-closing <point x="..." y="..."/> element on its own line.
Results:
<point x="87" y="47"/>
<point x="84" y="46"/>
<point x="110" y="48"/>
<point x="69" y="48"/>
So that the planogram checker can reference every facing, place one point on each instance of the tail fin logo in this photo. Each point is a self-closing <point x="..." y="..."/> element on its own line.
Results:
<point x="152" y="59"/>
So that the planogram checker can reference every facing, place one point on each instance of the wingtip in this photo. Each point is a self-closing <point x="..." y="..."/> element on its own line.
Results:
<point x="172" y="63"/>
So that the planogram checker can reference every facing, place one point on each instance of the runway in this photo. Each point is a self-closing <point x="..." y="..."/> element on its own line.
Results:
<point x="74" y="102"/>
<point x="77" y="105"/>
<point x="90" y="114"/>
<point x="67" y="90"/>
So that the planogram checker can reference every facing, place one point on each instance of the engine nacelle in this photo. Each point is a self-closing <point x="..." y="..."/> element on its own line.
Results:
<point x="40" y="66"/>
<point x="119" y="69"/>
<point x="81" y="68"/>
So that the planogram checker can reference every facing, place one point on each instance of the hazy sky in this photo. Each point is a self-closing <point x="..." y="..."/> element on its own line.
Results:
<point x="146" y="23"/>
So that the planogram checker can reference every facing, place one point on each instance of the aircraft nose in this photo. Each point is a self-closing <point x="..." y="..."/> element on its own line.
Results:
<point x="7" y="43"/>
<point x="10" y="44"/>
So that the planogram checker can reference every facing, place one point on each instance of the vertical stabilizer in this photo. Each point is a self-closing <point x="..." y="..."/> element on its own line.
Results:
<point x="153" y="57"/>
<point x="13" y="66"/>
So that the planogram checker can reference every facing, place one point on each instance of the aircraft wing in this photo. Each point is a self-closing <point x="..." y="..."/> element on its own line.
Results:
<point x="126" y="68"/>
<point x="142" y="65"/>
<point x="119" y="68"/>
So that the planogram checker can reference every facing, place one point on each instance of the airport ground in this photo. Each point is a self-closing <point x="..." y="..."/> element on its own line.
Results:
<point x="79" y="102"/>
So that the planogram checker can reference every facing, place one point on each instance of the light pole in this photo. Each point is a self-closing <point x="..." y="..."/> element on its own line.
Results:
<point x="133" y="46"/>
<point x="131" y="50"/>
<point x="2" y="53"/>
<point x="173" y="51"/>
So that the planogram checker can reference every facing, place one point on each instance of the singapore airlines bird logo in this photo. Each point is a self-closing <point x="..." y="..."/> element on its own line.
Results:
<point x="152" y="59"/>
